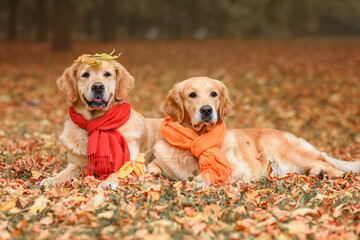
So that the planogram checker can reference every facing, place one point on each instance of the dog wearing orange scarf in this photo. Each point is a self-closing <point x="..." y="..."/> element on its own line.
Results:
<point x="103" y="131"/>
<point x="197" y="144"/>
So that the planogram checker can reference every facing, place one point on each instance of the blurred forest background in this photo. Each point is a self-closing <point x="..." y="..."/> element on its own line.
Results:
<point x="63" y="21"/>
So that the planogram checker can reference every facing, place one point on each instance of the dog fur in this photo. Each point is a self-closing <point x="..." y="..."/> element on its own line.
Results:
<point x="77" y="83"/>
<point x="249" y="151"/>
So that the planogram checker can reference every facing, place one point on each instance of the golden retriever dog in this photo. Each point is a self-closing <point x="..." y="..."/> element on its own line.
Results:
<point x="92" y="91"/>
<point x="199" y="103"/>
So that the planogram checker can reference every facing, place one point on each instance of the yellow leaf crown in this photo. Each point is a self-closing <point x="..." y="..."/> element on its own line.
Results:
<point x="96" y="59"/>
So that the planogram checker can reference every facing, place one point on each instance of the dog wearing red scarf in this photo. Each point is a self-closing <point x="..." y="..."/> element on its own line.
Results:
<point x="104" y="131"/>
<point x="197" y="144"/>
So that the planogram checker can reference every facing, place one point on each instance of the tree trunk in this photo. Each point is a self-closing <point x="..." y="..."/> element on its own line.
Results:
<point x="41" y="20"/>
<point x="62" y="26"/>
<point x="108" y="21"/>
<point x="89" y="23"/>
<point x="12" y="19"/>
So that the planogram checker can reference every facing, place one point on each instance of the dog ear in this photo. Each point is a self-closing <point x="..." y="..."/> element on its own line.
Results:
<point x="124" y="82"/>
<point x="173" y="105"/>
<point x="225" y="102"/>
<point x="67" y="83"/>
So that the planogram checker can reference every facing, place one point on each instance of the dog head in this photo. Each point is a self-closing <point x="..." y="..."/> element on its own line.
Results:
<point x="198" y="103"/>
<point x="95" y="87"/>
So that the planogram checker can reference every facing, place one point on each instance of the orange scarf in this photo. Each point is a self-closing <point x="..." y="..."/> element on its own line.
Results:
<point x="212" y="160"/>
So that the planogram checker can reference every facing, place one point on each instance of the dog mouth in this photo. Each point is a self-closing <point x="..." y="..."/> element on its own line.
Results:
<point x="204" y="120"/>
<point x="206" y="125"/>
<point x="97" y="103"/>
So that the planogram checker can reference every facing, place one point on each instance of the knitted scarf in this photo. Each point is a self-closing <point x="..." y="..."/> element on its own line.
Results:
<point x="107" y="148"/>
<point x="212" y="160"/>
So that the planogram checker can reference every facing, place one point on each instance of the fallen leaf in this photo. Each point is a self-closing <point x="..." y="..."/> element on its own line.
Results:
<point x="35" y="174"/>
<point x="8" y="205"/>
<point x="338" y="211"/>
<point x="125" y="170"/>
<point x="198" y="228"/>
<point x="306" y="211"/>
<point x="106" y="215"/>
<point x="154" y="195"/>
<point x="39" y="205"/>
<point x="190" y="211"/>
<point x="96" y="201"/>
<point x="47" y="220"/>
<point x="298" y="227"/>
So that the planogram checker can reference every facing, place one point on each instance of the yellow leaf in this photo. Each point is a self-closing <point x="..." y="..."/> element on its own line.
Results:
<point x="79" y="199"/>
<point x="154" y="195"/>
<point x="125" y="170"/>
<point x="96" y="59"/>
<point x="138" y="168"/>
<point x="241" y="209"/>
<point x="35" y="174"/>
<point x="39" y="205"/>
<point x="141" y="158"/>
<point x="142" y="168"/>
<point x="106" y="215"/>
<point x="177" y="184"/>
<point x="137" y="171"/>
<point x="331" y="196"/>
<point x="8" y="205"/>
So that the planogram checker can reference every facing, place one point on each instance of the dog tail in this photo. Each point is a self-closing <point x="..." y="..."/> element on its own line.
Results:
<point x="342" y="165"/>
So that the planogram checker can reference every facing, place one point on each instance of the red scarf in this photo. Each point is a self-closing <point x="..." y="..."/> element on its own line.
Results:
<point x="107" y="148"/>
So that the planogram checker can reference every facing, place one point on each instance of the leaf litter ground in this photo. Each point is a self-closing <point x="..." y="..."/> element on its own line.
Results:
<point x="309" y="87"/>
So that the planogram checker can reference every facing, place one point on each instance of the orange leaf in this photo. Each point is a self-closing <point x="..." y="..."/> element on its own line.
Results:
<point x="298" y="227"/>
<point x="307" y="211"/>
<point x="269" y="170"/>
<point x="47" y="220"/>
<point x="190" y="211"/>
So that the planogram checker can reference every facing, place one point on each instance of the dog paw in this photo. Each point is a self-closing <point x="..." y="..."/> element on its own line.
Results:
<point x="326" y="172"/>
<point x="50" y="182"/>
<point x="316" y="172"/>
<point x="109" y="184"/>
<point x="337" y="174"/>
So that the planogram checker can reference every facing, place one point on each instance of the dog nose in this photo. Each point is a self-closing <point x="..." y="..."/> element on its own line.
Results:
<point x="206" y="110"/>
<point x="97" y="87"/>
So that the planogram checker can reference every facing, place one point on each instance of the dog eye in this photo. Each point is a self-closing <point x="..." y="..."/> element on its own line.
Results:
<point x="107" y="74"/>
<point x="213" y="94"/>
<point x="192" y="95"/>
<point x="85" y="75"/>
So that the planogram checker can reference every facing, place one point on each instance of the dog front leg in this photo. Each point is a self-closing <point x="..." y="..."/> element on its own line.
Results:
<point x="73" y="169"/>
<point x="113" y="181"/>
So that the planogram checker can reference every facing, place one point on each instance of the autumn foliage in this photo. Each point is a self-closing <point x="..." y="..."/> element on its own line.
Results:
<point x="309" y="87"/>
